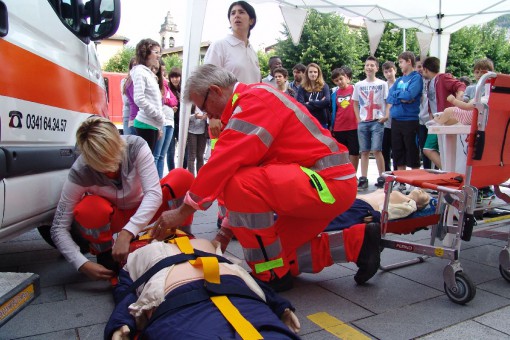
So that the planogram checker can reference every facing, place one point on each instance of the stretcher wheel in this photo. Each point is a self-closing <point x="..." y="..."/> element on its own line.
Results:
<point x="464" y="291"/>
<point x="505" y="273"/>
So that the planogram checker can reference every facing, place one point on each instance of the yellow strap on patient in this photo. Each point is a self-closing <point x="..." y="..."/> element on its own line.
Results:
<point x="234" y="317"/>
<point x="211" y="268"/>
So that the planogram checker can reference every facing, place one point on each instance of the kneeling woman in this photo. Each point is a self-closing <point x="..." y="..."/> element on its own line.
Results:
<point x="113" y="187"/>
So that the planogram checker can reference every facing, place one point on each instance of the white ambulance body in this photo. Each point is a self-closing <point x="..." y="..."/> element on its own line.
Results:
<point x="50" y="81"/>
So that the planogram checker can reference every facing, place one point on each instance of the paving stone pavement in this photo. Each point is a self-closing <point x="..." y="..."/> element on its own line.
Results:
<point x="405" y="303"/>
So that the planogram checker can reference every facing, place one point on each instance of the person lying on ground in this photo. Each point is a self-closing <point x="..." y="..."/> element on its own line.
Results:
<point x="367" y="207"/>
<point x="157" y="309"/>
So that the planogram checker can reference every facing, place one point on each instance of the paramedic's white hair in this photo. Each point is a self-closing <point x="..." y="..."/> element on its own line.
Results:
<point x="205" y="76"/>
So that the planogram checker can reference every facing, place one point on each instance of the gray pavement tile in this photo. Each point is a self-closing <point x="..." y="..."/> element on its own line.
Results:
<point x="332" y="272"/>
<point x="430" y="315"/>
<point x="25" y="246"/>
<point x="93" y="332"/>
<point x="67" y="334"/>
<point x="465" y="330"/>
<point x="385" y="291"/>
<point x="318" y="335"/>
<point x="309" y="299"/>
<point x="498" y="286"/>
<point x="50" y="294"/>
<point x="30" y="257"/>
<point x="497" y="319"/>
<point x="58" y="272"/>
<point x="55" y="316"/>
<point x="486" y="254"/>
<point x="88" y="289"/>
<point x="430" y="272"/>
<point x="476" y="242"/>
<point x="392" y="256"/>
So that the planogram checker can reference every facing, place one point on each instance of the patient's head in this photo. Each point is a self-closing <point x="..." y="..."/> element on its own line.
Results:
<point x="421" y="198"/>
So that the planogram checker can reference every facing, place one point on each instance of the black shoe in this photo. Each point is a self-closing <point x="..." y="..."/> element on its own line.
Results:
<point x="380" y="182"/>
<point x="362" y="183"/>
<point x="281" y="284"/>
<point x="106" y="260"/>
<point x="218" y="222"/>
<point x="369" y="257"/>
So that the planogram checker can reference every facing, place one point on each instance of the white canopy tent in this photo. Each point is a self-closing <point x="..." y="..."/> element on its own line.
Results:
<point x="436" y="19"/>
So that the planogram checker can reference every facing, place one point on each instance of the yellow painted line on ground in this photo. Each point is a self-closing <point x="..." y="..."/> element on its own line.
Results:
<point x="336" y="327"/>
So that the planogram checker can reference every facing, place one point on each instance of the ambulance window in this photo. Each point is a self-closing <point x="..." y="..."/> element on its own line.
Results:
<point x="69" y="13"/>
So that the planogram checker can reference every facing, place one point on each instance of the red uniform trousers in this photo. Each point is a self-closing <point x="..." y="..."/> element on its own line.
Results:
<point x="98" y="219"/>
<point x="254" y="195"/>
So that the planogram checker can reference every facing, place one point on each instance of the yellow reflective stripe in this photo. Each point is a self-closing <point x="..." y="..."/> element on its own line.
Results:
<point x="213" y="142"/>
<point x="305" y="119"/>
<point x="250" y="129"/>
<point x="234" y="317"/>
<point x="234" y="98"/>
<point x="319" y="184"/>
<point x="251" y="220"/>
<point x="265" y="266"/>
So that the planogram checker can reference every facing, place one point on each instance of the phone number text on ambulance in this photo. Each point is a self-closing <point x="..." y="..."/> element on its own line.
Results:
<point x="37" y="122"/>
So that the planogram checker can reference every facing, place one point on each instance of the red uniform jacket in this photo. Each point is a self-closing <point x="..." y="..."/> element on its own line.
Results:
<point x="264" y="126"/>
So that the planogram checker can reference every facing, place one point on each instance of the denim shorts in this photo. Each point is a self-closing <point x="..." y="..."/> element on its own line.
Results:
<point x="370" y="135"/>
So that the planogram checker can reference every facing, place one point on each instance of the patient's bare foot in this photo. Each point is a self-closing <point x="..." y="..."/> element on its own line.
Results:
<point x="445" y="118"/>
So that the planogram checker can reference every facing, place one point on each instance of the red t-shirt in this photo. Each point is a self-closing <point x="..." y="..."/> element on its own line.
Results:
<point x="345" y="119"/>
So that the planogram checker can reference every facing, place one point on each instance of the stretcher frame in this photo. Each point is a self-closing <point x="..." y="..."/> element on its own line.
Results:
<point x="486" y="164"/>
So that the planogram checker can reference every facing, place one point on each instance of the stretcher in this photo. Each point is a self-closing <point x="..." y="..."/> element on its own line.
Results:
<point x="487" y="163"/>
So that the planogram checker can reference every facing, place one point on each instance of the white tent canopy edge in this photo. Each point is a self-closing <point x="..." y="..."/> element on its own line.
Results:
<point x="439" y="17"/>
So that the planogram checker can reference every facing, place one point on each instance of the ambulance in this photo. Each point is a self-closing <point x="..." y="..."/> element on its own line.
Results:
<point x="50" y="81"/>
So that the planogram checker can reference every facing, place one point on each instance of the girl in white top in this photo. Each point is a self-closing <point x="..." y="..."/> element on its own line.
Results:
<point x="146" y="94"/>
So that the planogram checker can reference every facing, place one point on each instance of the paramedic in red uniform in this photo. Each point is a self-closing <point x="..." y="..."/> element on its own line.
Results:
<point x="273" y="157"/>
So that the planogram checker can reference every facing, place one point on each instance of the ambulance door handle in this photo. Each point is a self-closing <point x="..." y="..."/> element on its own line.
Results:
<point x="4" y="22"/>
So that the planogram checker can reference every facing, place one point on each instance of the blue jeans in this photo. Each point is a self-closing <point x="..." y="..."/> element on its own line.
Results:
<point x="170" y="157"/>
<point x="125" y="125"/>
<point x="161" y="149"/>
<point x="370" y="135"/>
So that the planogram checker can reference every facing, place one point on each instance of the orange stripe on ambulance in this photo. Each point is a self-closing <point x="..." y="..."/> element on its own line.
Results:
<point x="51" y="81"/>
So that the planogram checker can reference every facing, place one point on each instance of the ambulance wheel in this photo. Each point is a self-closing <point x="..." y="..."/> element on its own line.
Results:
<point x="44" y="231"/>
<point x="505" y="273"/>
<point x="463" y="292"/>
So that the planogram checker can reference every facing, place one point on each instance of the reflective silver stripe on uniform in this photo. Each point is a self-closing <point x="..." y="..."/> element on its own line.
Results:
<point x="250" y="129"/>
<point x="222" y="210"/>
<point x="101" y="247"/>
<point x="303" y="118"/>
<point x="237" y="110"/>
<point x="344" y="177"/>
<point x="175" y="203"/>
<point x="93" y="232"/>
<point x="331" y="161"/>
<point x="336" y="246"/>
<point x="197" y="199"/>
<point x="251" y="220"/>
<point x="304" y="258"/>
<point x="272" y="251"/>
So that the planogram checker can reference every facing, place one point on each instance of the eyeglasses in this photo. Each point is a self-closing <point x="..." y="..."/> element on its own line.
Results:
<point x="156" y="52"/>
<point x="202" y="108"/>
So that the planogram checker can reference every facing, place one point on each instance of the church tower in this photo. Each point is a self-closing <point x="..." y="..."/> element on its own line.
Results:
<point x="168" y="32"/>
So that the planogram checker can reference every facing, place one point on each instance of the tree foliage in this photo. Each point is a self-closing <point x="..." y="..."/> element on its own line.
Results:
<point x="327" y="41"/>
<point x="264" y="61"/>
<point x="475" y="42"/>
<point x="172" y="60"/>
<point x="120" y="61"/>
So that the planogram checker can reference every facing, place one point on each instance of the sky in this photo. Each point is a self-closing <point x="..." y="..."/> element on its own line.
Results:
<point x="143" y="19"/>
